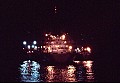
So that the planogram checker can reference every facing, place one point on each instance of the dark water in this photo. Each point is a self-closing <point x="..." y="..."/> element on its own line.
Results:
<point x="33" y="71"/>
<point x="29" y="70"/>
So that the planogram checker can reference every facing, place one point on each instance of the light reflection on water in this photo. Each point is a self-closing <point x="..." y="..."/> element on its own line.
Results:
<point x="60" y="74"/>
<point x="31" y="71"/>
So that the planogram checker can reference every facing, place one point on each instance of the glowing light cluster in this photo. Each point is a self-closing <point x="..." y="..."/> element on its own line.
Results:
<point x="56" y="45"/>
<point x="87" y="63"/>
<point x="29" y="71"/>
<point x="88" y="49"/>
<point x="78" y="50"/>
<point x="50" y="68"/>
<point x="50" y="75"/>
<point x="77" y="62"/>
<point x="30" y="47"/>
<point x="33" y="46"/>
<point x="25" y="43"/>
<point x="62" y="37"/>
<point x="30" y="51"/>
<point x="70" y="73"/>
<point x="55" y="74"/>
<point x="89" y="70"/>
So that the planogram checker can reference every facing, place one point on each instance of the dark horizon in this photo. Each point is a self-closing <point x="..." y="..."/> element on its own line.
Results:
<point x="98" y="21"/>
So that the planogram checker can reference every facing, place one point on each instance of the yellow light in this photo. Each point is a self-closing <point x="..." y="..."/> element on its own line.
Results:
<point x="52" y="42"/>
<point x="87" y="63"/>
<point x="70" y="47"/>
<point x="50" y="68"/>
<point x="88" y="49"/>
<point x="66" y="45"/>
<point x="51" y="36"/>
<point x="71" y="69"/>
<point x="65" y="42"/>
<point x="41" y="46"/>
<point x="54" y="37"/>
<point x="48" y="48"/>
<point x="63" y="37"/>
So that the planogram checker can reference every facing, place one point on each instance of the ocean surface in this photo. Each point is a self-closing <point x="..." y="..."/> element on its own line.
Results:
<point x="32" y="71"/>
<point x="26" y="69"/>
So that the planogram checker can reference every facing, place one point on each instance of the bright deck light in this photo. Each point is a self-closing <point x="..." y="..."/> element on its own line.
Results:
<point x="33" y="46"/>
<point x="88" y="49"/>
<point x="70" y="47"/>
<point x="28" y="46"/>
<point x="46" y="34"/>
<point x="63" y="37"/>
<point x="24" y="43"/>
<point x="34" y="42"/>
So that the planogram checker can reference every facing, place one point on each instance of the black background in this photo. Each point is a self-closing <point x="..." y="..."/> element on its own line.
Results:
<point x="96" y="20"/>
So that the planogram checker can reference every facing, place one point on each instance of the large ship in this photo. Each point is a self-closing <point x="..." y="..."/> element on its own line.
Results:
<point x="58" y="47"/>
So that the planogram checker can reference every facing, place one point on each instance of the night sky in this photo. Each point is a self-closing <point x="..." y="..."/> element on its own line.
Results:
<point x="97" y="21"/>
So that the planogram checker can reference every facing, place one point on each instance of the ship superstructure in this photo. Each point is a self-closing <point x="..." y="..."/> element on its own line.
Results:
<point x="57" y="44"/>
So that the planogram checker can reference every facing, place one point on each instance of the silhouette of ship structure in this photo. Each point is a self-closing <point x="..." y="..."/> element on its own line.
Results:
<point x="57" y="49"/>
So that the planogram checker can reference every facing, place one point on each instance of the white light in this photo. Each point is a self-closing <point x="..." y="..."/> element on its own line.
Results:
<point x="28" y="46"/>
<point x="33" y="46"/>
<point x="34" y="42"/>
<point x="46" y="34"/>
<point x="77" y="61"/>
<point x="41" y="46"/>
<point x="77" y="48"/>
<point x="88" y="49"/>
<point x="24" y="43"/>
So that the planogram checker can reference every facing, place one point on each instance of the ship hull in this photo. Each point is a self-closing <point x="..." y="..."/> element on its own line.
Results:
<point x="60" y="58"/>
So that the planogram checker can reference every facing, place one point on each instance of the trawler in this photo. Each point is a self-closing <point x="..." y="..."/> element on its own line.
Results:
<point x="58" y="47"/>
